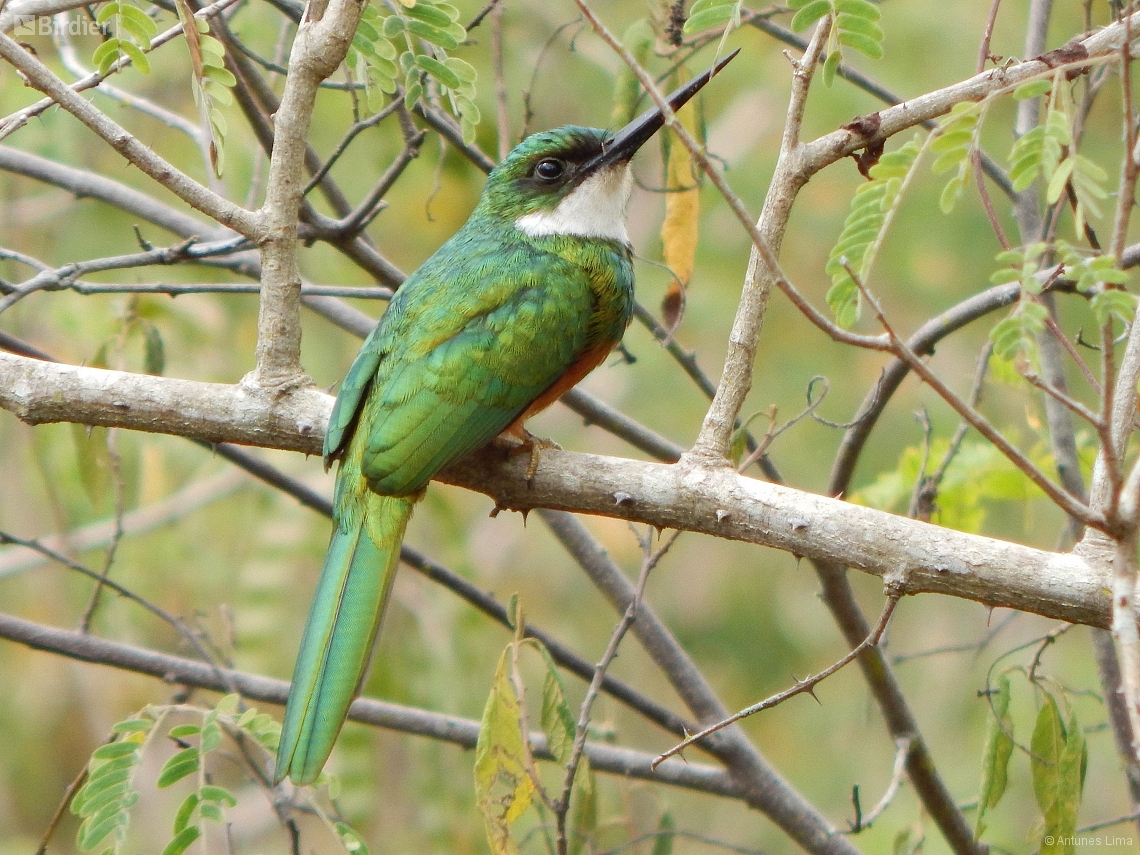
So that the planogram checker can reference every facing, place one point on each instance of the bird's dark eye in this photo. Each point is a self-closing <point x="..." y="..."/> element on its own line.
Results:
<point x="549" y="169"/>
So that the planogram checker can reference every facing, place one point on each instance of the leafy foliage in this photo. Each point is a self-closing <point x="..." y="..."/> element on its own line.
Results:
<point x="104" y="802"/>
<point x="132" y="30"/>
<point x="506" y="782"/>
<point x="956" y="140"/>
<point x="1047" y="151"/>
<point x="713" y="14"/>
<point x="1015" y="336"/>
<point x="854" y="24"/>
<point x="376" y="62"/>
<point x="1058" y="760"/>
<point x="211" y="81"/>
<point x="978" y="476"/>
<point x="863" y="230"/>
<point x="1097" y="276"/>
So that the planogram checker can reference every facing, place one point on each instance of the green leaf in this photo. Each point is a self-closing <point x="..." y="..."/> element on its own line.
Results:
<point x="219" y="74"/>
<point x="211" y="811"/>
<point x="716" y="17"/>
<point x="211" y="793"/>
<point x="219" y="92"/>
<point x="862" y="43"/>
<point x="998" y="750"/>
<point x="1058" y="181"/>
<point x="830" y="67"/>
<point x="137" y="23"/>
<point x="211" y="737"/>
<point x="1032" y="89"/>
<point x="351" y="840"/>
<point x="863" y="230"/>
<point x="108" y="12"/>
<point x="94" y="458"/>
<point x="663" y="843"/>
<point x="1113" y="303"/>
<point x="182" y="840"/>
<point x="1014" y="336"/>
<point x="843" y="300"/>
<point x="463" y="70"/>
<point x="434" y="35"/>
<point x="106" y="55"/>
<point x="92" y="832"/>
<point x="412" y="94"/>
<point x="136" y="56"/>
<point x="133" y="725"/>
<point x="154" y="351"/>
<point x="185" y="762"/>
<point x="185" y="811"/>
<point x="809" y="14"/>
<point x="863" y="26"/>
<point x="955" y="139"/>
<point x="1005" y="274"/>
<point x="211" y="47"/>
<point x="1057" y="764"/>
<point x="557" y="720"/>
<point x="181" y="731"/>
<point x="103" y="772"/>
<point x="393" y="26"/>
<point x="583" y="819"/>
<point x="114" y="749"/>
<point x="439" y="71"/>
<point x="951" y="193"/>
<point x="861" y="8"/>
<point x="451" y="11"/>
<point x="428" y="14"/>
<point x="107" y="792"/>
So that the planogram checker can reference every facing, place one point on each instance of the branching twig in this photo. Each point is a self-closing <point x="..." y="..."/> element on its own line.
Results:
<point x="649" y="561"/>
<point x="902" y="752"/>
<point x="800" y="687"/>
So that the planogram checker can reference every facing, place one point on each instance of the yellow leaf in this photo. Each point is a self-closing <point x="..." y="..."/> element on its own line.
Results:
<point x="503" y="786"/>
<point x="682" y="203"/>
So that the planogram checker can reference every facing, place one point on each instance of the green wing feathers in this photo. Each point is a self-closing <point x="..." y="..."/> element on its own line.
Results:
<point x="462" y="351"/>
<point x="338" y="638"/>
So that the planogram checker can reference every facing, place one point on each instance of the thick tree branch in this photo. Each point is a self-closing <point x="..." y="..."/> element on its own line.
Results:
<point x="715" y="500"/>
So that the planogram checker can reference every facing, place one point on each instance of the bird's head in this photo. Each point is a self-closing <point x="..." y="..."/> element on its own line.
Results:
<point x="573" y="180"/>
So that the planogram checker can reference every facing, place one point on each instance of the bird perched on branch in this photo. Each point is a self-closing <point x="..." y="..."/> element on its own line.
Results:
<point x="519" y="305"/>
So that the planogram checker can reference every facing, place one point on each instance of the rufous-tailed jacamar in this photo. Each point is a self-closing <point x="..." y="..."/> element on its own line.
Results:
<point x="520" y="304"/>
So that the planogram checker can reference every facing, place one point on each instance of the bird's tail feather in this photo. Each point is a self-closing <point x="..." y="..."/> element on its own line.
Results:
<point x="342" y="625"/>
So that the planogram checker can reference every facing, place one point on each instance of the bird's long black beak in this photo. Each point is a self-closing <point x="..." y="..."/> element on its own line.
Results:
<point x="623" y="144"/>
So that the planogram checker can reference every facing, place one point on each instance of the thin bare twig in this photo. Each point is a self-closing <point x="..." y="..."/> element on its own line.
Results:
<point x="898" y="771"/>
<point x="650" y="559"/>
<point x="800" y="687"/>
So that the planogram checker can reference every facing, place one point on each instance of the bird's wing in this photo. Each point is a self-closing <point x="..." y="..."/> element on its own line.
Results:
<point x="464" y="358"/>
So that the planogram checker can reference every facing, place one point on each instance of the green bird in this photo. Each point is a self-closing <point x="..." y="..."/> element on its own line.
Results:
<point x="519" y="305"/>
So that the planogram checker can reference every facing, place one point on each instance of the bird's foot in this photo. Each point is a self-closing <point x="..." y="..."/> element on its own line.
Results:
<point x="534" y="445"/>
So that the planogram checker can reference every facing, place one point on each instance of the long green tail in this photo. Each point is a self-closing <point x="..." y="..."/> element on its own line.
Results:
<point x="342" y="625"/>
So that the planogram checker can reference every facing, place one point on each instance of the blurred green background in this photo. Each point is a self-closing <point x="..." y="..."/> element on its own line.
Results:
<point x="241" y="566"/>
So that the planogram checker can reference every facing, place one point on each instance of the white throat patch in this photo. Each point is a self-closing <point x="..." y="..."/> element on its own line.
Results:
<point x="594" y="209"/>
